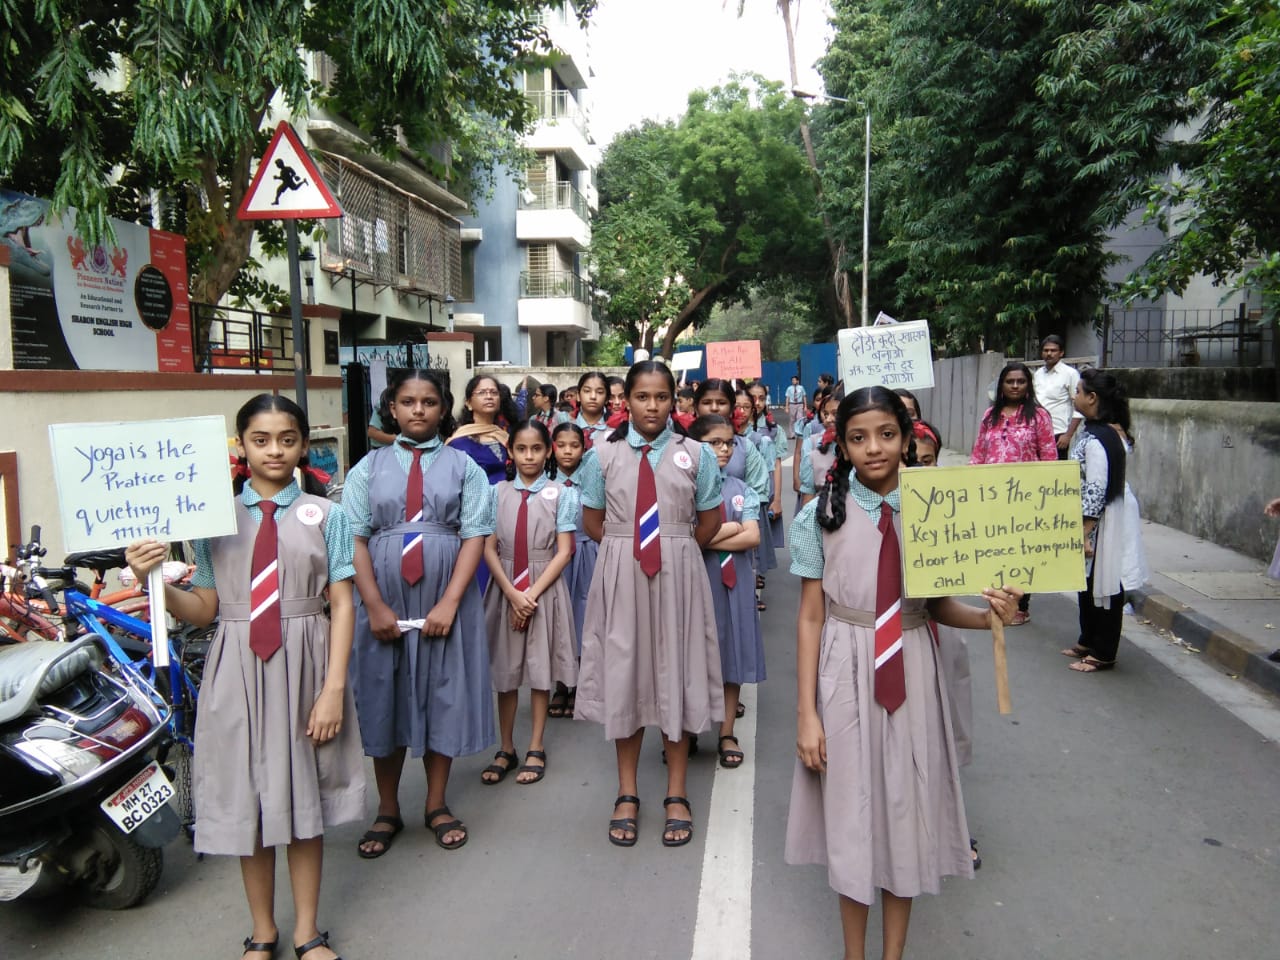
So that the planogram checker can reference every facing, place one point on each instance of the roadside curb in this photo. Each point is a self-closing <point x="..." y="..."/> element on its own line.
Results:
<point x="1229" y="649"/>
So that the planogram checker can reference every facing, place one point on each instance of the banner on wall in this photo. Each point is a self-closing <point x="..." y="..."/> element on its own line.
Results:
<point x="119" y="306"/>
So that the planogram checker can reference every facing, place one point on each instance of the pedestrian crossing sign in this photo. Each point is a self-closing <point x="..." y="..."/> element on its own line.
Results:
<point x="288" y="184"/>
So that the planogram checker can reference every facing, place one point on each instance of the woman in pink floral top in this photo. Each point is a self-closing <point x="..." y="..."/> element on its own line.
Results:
<point x="1015" y="430"/>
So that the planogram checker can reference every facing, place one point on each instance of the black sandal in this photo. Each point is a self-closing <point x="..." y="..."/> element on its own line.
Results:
<point x="559" y="705"/>
<point x="741" y="711"/>
<point x="727" y="755"/>
<point x="384" y="837"/>
<point x="977" y="857"/>
<point x="673" y="824"/>
<point x="447" y="827"/>
<point x="571" y="703"/>
<point x="624" y="823"/>
<point x="261" y="946"/>
<point x="501" y="772"/>
<point x="527" y="768"/>
<point x="1091" y="664"/>
<point x="320" y="941"/>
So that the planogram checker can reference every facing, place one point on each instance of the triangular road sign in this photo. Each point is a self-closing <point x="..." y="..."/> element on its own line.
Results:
<point x="288" y="184"/>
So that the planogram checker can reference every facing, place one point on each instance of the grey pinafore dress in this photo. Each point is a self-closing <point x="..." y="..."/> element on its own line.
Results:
<point x="579" y="572"/>
<point x="254" y="765"/>
<point x="776" y="529"/>
<point x="650" y="653"/>
<point x="543" y="653"/>
<point x="766" y="558"/>
<point x="888" y="812"/>
<point x="424" y="693"/>
<point x="737" y="621"/>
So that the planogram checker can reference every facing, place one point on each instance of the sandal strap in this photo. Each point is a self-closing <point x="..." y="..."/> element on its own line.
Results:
<point x="683" y="801"/>
<point x="320" y="941"/>
<point x="626" y="798"/>
<point x="392" y="821"/>
<point x="536" y="754"/>
<point x="438" y="811"/>
<point x="729" y="736"/>
<point x="260" y="946"/>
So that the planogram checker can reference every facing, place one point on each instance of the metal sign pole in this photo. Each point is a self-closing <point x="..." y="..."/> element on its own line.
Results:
<point x="295" y="308"/>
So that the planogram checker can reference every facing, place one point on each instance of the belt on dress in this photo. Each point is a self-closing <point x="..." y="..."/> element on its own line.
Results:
<point x="612" y="529"/>
<point x="421" y="526"/>
<point x="867" y="618"/>
<point x="289" y="609"/>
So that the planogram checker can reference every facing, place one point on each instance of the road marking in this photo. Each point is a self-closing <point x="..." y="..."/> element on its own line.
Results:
<point x="723" y="928"/>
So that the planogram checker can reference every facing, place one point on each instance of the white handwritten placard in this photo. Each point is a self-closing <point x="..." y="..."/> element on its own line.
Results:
<point x="159" y="479"/>
<point x="893" y="355"/>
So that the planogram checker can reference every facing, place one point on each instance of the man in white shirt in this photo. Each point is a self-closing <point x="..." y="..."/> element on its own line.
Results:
<point x="795" y="400"/>
<point x="1055" y="385"/>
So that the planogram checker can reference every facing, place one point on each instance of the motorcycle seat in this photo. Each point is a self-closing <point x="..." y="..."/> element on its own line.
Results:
<point x="29" y="671"/>
<point x="99" y="560"/>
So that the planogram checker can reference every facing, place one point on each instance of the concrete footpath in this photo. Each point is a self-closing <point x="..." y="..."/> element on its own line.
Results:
<point x="1217" y="603"/>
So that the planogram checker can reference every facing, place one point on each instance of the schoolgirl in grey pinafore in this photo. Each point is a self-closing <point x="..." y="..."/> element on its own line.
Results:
<point x="542" y="654"/>
<point x="580" y="570"/>
<point x="650" y="652"/>
<point x="766" y="558"/>
<point x="776" y="529"/>
<point x="254" y="765"/>
<point x="888" y="812"/>
<point x="737" y="620"/>
<point x="424" y="693"/>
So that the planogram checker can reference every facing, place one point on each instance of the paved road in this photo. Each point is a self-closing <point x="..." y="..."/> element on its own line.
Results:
<point x="1126" y="815"/>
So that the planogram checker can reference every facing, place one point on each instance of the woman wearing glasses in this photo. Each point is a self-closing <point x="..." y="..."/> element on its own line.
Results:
<point x="483" y="438"/>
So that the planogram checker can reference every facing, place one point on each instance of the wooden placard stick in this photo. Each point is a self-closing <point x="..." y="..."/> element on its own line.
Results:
<point x="1003" y="700"/>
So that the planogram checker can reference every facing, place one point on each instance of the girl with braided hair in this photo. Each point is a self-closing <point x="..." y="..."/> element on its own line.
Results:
<point x="876" y="792"/>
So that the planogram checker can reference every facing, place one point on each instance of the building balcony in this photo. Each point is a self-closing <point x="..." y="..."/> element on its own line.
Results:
<point x="554" y="212"/>
<point x="554" y="300"/>
<point x="561" y="128"/>
<point x="571" y="53"/>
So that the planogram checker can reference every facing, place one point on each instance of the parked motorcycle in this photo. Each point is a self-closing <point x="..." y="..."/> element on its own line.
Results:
<point x="83" y="803"/>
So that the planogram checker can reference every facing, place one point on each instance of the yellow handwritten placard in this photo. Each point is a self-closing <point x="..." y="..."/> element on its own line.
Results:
<point x="966" y="528"/>
<point x="734" y="359"/>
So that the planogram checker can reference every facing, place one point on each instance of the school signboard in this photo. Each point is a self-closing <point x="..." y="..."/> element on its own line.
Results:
<point x="895" y="355"/>
<point x="151" y="479"/>
<point x="967" y="528"/>
<point x="118" y="306"/>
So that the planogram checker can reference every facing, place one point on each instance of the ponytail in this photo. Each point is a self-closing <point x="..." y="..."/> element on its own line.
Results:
<point x="835" y="492"/>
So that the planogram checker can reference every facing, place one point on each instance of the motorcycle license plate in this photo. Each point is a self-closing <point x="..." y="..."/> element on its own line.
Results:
<point x="134" y="803"/>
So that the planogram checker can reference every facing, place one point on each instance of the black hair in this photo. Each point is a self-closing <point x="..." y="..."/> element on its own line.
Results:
<point x="937" y="437"/>
<point x="639" y="369"/>
<point x="399" y="378"/>
<point x="538" y="427"/>
<point x="564" y="406"/>
<point x="685" y="393"/>
<point x="571" y="426"/>
<point x="831" y="500"/>
<point x="1029" y="404"/>
<point x="826" y="377"/>
<point x="906" y="394"/>
<point x="827" y="397"/>
<point x="768" y="416"/>
<point x="1113" y="399"/>
<point x="594" y="375"/>
<point x="725" y="388"/>
<point x="549" y="391"/>
<point x="1054" y="339"/>
<point x="703" y="425"/>
<point x="506" y="406"/>
<point x="273" y="403"/>
<point x="383" y="409"/>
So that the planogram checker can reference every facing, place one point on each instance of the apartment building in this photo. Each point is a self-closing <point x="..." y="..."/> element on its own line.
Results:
<point x="524" y="292"/>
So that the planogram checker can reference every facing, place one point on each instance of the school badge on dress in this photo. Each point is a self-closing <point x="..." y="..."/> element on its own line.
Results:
<point x="683" y="460"/>
<point x="550" y="493"/>
<point x="310" y="514"/>
<point x="738" y="501"/>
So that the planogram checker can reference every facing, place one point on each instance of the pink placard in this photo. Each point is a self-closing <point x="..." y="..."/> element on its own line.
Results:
<point x="734" y="359"/>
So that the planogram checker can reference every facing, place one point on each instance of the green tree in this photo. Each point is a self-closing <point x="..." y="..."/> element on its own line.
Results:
<point x="170" y="95"/>
<point x="781" y="313"/>
<point x="692" y="213"/>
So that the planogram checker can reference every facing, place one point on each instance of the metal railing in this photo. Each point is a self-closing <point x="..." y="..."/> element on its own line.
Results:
<point x="1155" y="337"/>
<point x="558" y="105"/>
<point x="560" y="195"/>
<point x="553" y="284"/>
<point x="232" y="340"/>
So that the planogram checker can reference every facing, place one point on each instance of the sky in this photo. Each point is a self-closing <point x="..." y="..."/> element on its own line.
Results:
<point x="649" y="54"/>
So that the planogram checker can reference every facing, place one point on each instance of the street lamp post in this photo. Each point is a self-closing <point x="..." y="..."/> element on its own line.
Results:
<point x="866" y="186"/>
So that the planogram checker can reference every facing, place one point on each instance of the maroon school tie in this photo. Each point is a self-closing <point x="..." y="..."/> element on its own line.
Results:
<point x="520" y="569"/>
<point x="728" y="576"/>
<point x="890" y="678"/>
<point x="647" y="548"/>
<point x="264" y="589"/>
<point x="411" y="552"/>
